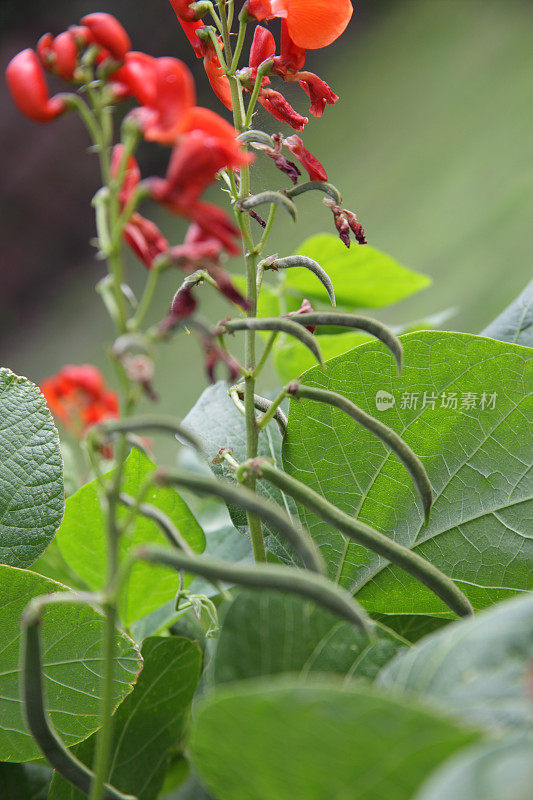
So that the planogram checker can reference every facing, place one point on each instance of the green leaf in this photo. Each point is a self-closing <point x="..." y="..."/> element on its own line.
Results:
<point x="292" y="358"/>
<point x="217" y="423"/>
<point x="266" y="633"/>
<point x="82" y="539"/>
<point x="478" y="461"/>
<point x="363" y="277"/>
<point x="515" y="324"/>
<point x="478" y="667"/>
<point x="412" y="627"/>
<point x="288" y="740"/>
<point x="149" y="723"/>
<point x="485" y="772"/>
<point x="72" y="664"/>
<point x="31" y="472"/>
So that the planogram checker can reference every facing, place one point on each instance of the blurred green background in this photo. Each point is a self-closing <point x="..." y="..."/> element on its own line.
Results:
<point x="431" y="144"/>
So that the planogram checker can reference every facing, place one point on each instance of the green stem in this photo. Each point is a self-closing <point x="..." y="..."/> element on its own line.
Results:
<point x="266" y="353"/>
<point x="146" y="300"/>
<point x="239" y="45"/>
<point x="271" y="413"/>
<point x="268" y="230"/>
<point x="263" y="70"/>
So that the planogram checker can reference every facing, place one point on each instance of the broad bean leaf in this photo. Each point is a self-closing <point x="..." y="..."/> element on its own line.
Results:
<point x="149" y="723"/>
<point x="363" y="277"/>
<point x="515" y="324"/>
<point x="82" y="540"/>
<point x="267" y="633"/>
<point x="492" y="771"/>
<point x="71" y="639"/>
<point x="283" y="739"/>
<point x="479" y="667"/>
<point x="464" y="404"/>
<point x="31" y="472"/>
<point x="217" y="423"/>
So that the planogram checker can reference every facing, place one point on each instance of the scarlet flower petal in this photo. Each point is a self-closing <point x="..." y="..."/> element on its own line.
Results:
<point x="139" y="73"/>
<point x="65" y="50"/>
<point x="218" y="80"/>
<point x="317" y="23"/>
<point x="78" y="397"/>
<point x="263" y="47"/>
<point x="318" y="91"/>
<point x="182" y="9"/>
<point x="107" y="31"/>
<point x="311" y="164"/>
<point x="27" y="85"/>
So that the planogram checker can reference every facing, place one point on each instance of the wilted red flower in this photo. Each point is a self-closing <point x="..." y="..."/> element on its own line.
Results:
<point x="27" y="85"/>
<point x="140" y="234"/>
<point x="107" y="32"/>
<point x="311" y="164"/>
<point x="79" y="398"/>
<point x="305" y="308"/>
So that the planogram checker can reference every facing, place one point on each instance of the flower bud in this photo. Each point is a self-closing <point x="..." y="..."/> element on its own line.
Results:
<point x="108" y="33"/>
<point x="27" y="85"/>
<point x="65" y="55"/>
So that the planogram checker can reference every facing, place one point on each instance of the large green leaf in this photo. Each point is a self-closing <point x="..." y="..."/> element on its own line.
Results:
<point x="267" y="633"/>
<point x="31" y="472"/>
<point x="485" y="772"/>
<point x="72" y="664"/>
<point x="149" y="723"/>
<point x="478" y="667"/>
<point x="82" y="540"/>
<point x="217" y="423"/>
<point x="292" y="357"/>
<point x="363" y="277"/>
<point x="515" y="324"/>
<point x="292" y="741"/>
<point x="478" y="460"/>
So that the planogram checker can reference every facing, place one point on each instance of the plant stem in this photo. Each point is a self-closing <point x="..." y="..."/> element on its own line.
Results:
<point x="243" y="220"/>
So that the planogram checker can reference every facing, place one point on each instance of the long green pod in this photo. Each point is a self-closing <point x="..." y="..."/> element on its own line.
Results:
<point x="149" y="424"/>
<point x="356" y="321"/>
<point x="269" y="197"/>
<point x="59" y="757"/>
<point x="299" y="539"/>
<point x="262" y="404"/>
<point x="315" y="186"/>
<point x="363" y="534"/>
<point x="308" y="263"/>
<point x="389" y="437"/>
<point x="266" y="576"/>
<point x="281" y="324"/>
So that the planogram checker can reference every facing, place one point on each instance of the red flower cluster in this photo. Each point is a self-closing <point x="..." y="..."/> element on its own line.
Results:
<point x="62" y="56"/>
<point x="203" y="143"/>
<point x="79" y="398"/>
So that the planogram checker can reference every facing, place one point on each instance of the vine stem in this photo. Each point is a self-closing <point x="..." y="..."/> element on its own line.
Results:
<point x="252" y="431"/>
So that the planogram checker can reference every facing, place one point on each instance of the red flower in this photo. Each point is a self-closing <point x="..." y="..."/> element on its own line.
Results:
<point x="79" y="398"/>
<point x="27" y="85"/>
<point x="165" y="89"/>
<point x="208" y="144"/>
<point x="204" y="49"/>
<point x="59" y="55"/>
<point x="311" y="23"/>
<point x="305" y="308"/>
<point x="107" y="32"/>
<point x="311" y="164"/>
